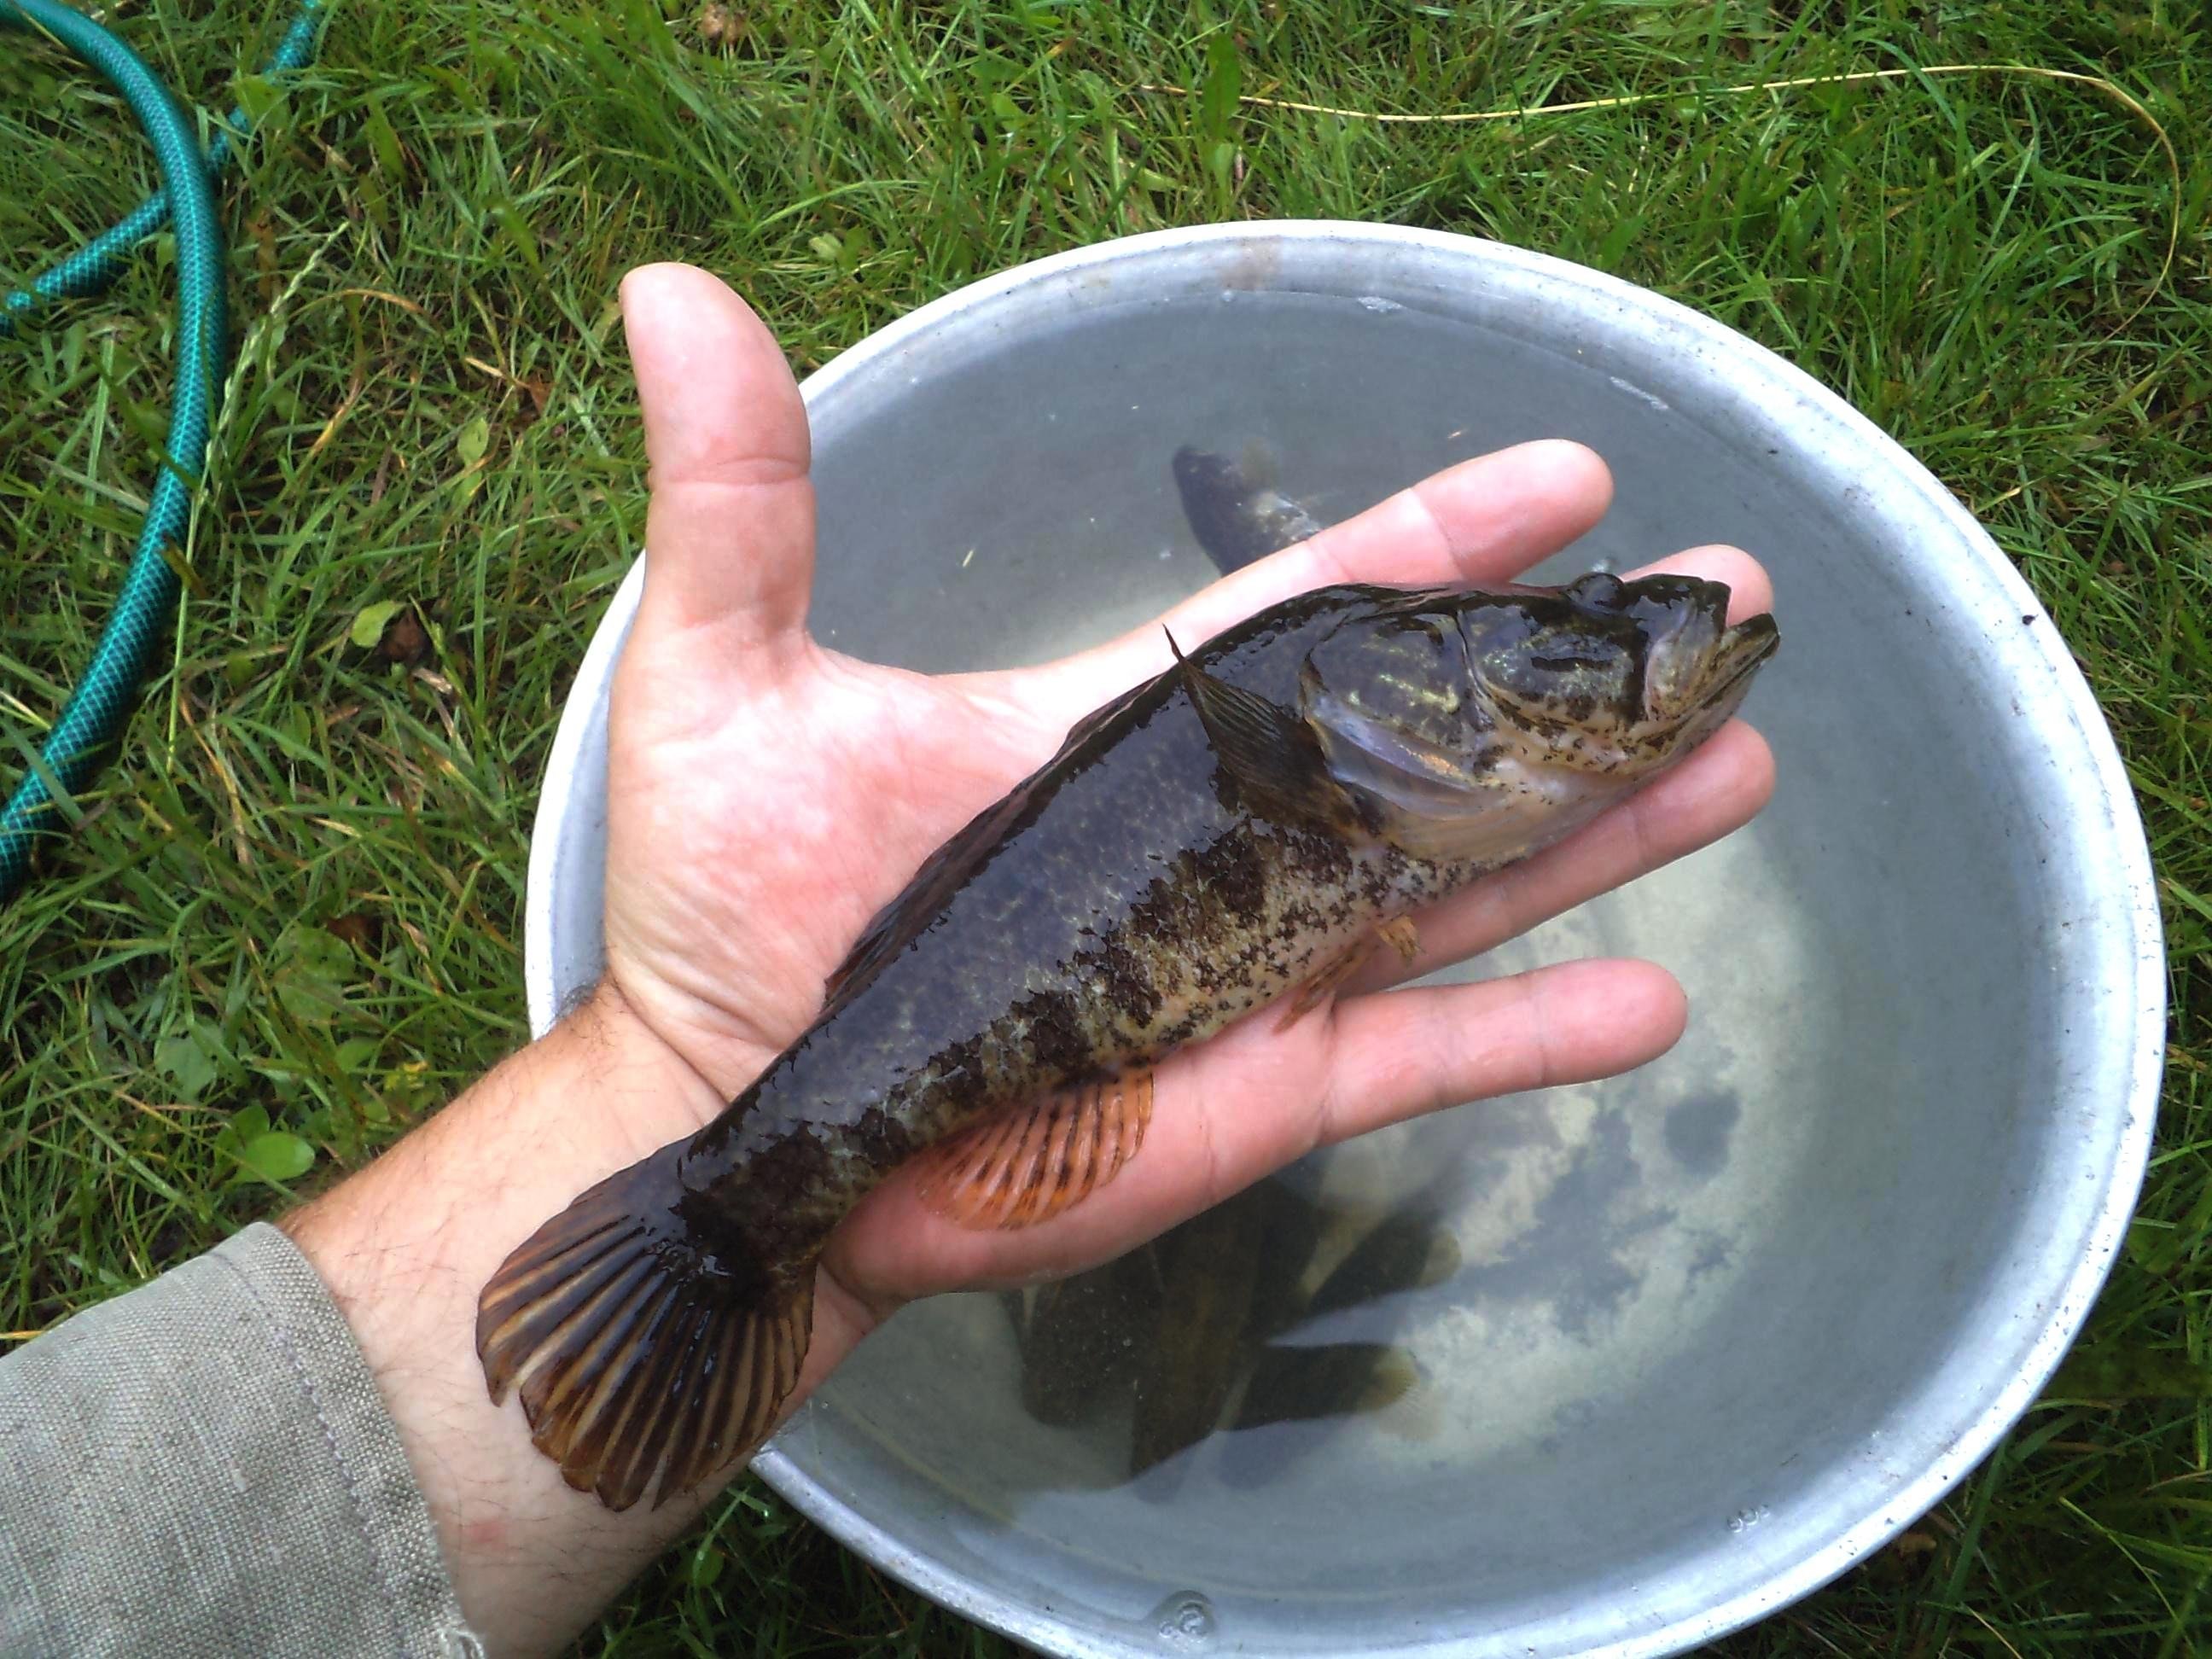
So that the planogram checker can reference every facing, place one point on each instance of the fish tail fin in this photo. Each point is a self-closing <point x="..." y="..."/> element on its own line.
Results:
<point x="636" y="1352"/>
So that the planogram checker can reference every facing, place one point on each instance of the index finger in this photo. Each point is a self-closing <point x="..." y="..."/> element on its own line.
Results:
<point x="1484" y="520"/>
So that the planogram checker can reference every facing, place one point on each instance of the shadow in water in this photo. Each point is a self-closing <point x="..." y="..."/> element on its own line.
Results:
<point x="1264" y="1326"/>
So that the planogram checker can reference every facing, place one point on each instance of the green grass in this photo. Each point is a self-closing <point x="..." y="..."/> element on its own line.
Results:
<point x="301" y="893"/>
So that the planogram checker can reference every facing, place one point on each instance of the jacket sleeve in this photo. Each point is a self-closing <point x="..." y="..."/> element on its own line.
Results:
<point x="206" y="1467"/>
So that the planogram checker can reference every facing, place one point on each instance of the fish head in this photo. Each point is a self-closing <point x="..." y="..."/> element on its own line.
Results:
<point x="1611" y="676"/>
<point x="1479" y="726"/>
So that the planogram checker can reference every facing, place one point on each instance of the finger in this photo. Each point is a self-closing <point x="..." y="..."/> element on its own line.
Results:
<point x="1484" y="520"/>
<point x="1401" y="1054"/>
<point x="1751" y="591"/>
<point x="1715" y="792"/>
<point x="730" y="531"/>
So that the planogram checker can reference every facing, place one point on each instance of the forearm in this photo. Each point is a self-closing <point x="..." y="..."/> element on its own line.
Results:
<point x="406" y="1248"/>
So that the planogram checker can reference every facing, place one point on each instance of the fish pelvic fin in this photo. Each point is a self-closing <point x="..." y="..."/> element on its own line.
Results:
<point x="641" y="1353"/>
<point x="1318" y="987"/>
<point x="1019" y="1168"/>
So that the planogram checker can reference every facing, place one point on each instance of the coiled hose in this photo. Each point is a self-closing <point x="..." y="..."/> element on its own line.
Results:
<point x="94" y="718"/>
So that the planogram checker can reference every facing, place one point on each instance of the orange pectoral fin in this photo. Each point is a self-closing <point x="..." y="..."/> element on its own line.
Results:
<point x="1024" y="1166"/>
<point x="1321" y="984"/>
<point x="1400" y="934"/>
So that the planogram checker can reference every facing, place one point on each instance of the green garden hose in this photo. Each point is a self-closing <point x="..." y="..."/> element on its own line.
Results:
<point x="97" y="709"/>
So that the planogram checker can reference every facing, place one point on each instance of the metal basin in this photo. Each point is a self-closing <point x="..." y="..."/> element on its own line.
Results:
<point x="1718" y="1329"/>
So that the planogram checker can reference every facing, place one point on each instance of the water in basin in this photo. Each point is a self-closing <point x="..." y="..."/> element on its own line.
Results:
<point x="1665" y="1283"/>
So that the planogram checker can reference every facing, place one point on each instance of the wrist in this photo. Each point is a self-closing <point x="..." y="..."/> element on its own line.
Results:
<point x="643" y="1092"/>
<point x="405" y="1247"/>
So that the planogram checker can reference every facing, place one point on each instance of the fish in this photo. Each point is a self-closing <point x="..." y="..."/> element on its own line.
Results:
<point x="1241" y="1276"/>
<point x="1234" y="508"/>
<point x="1230" y="1279"/>
<point x="1183" y="1384"/>
<point x="1245" y="828"/>
<point x="1300" y="1382"/>
<point x="1078" y="1336"/>
<point x="1183" y="1332"/>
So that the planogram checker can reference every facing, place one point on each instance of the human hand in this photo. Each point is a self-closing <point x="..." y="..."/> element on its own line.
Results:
<point x="766" y="796"/>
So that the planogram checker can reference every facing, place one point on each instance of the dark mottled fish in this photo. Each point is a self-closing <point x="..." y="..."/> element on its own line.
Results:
<point x="1183" y="1383"/>
<point x="1251" y="822"/>
<point x="1177" y="1329"/>
<point x="1238" y="1278"/>
<point x="1231" y="1280"/>
<point x="1299" y="1382"/>
<point x="1078" y="1336"/>
<point x="1235" y="510"/>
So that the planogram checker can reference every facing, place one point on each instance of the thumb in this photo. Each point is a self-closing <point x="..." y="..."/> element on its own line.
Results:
<point x="730" y="531"/>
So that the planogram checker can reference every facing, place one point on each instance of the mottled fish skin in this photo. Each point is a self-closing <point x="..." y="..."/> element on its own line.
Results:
<point x="1121" y="902"/>
<point x="1127" y="898"/>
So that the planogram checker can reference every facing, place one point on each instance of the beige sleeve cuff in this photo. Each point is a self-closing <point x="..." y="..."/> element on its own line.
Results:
<point x="206" y="1467"/>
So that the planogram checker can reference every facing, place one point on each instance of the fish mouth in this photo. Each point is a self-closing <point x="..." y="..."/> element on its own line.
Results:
<point x="1693" y="659"/>
<point x="1696" y="676"/>
<point x="1739" y="654"/>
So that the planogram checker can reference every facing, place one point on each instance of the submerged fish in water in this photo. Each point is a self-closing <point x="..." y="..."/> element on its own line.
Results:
<point x="1077" y="1336"/>
<point x="1250" y="822"/>
<point x="1234" y="508"/>
<point x="1217" y="1270"/>
<point x="1298" y="1381"/>
<point x="1240" y="1277"/>
<point x="1172" y="1331"/>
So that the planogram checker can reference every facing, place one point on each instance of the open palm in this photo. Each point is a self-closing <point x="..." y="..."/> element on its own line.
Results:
<point x="767" y="796"/>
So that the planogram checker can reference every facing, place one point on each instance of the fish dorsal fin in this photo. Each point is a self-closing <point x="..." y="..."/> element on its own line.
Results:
<point x="1268" y="751"/>
<point x="899" y="923"/>
<point x="1081" y="732"/>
